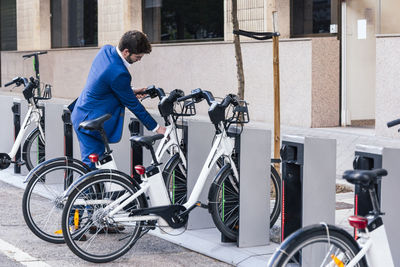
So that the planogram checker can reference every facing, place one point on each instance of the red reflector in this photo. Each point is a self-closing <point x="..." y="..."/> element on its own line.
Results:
<point x="140" y="169"/>
<point x="358" y="222"/>
<point x="94" y="158"/>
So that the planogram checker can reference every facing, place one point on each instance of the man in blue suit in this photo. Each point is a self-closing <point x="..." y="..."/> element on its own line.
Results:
<point x="108" y="90"/>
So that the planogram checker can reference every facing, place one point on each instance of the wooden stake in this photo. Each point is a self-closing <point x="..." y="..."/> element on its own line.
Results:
<point x="277" y="118"/>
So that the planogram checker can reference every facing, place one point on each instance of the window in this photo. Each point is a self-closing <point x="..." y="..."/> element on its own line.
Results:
<point x="183" y="20"/>
<point x="73" y="23"/>
<point x="313" y="17"/>
<point x="8" y="25"/>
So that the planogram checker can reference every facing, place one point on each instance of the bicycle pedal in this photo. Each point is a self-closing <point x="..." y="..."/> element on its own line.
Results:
<point x="18" y="163"/>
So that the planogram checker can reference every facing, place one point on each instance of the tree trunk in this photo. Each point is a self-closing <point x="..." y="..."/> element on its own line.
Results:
<point x="238" y="51"/>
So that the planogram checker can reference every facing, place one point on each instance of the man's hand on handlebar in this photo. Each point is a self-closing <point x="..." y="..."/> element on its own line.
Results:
<point x="139" y="92"/>
<point x="161" y="130"/>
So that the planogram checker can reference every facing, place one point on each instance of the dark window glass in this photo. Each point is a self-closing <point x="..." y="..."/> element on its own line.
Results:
<point x="183" y="20"/>
<point x="8" y="25"/>
<point x="312" y="16"/>
<point x="73" y="23"/>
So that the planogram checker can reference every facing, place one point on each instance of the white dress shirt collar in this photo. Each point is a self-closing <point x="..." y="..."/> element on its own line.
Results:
<point x="127" y="65"/>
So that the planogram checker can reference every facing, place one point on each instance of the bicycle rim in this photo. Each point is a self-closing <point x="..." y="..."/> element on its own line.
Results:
<point x="42" y="203"/>
<point x="313" y="247"/>
<point x="86" y="231"/>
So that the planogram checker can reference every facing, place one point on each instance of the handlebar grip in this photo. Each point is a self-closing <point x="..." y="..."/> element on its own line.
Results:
<point x="9" y="83"/>
<point x="42" y="53"/>
<point x="393" y="123"/>
<point x="183" y="98"/>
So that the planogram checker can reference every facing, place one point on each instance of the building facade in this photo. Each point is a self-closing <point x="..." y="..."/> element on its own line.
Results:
<point x="337" y="58"/>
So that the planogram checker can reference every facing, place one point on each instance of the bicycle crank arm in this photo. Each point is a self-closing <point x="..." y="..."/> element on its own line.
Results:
<point x="195" y="205"/>
<point x="19" y="162"/>
<point x="172" y="214"/>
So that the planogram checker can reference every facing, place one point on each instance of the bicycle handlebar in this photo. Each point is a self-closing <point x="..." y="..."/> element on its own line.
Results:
<point x="18" y="81"/>
<point x="153" y="92"/>
<point x="393" y="123"/>
<point x="33" y="54"/>
<point x="257" y="35"/>
<point x="198" y="95"/>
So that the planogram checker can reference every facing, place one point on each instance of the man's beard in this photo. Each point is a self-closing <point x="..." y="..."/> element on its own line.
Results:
<point x="129" y="60"/>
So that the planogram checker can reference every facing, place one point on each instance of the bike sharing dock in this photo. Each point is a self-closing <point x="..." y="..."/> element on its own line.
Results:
<point x="309" y="174"/>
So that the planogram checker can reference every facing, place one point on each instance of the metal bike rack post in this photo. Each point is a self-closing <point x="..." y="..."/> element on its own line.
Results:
<point x="55" y="139"/>
<point x="200" y="136"/>
<point x="391" y="198"/>
<point x="136" y="128"/>
<point x="308" y="182"/>
<point x="366" y="158"/>
<point x="16" y="109"/>
<point x="6" y="119"/>
<point x="42" y="154"/>
<point x="68" y="132"/>
<point x="254" y="172"/>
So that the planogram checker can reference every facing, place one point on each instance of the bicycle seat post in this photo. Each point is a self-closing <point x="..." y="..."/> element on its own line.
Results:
<point x="105" y="140"/>
<point x="153" y="155"/>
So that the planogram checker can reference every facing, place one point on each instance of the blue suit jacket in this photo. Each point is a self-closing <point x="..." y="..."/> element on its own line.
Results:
<point x="108" y="90"/>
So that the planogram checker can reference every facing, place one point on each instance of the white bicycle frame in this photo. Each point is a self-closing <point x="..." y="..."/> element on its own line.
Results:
<point x="171" y="140"/>
<point x="155" y="187"/>
<point x="375" y="247"/>
<point x="33" y="115"/>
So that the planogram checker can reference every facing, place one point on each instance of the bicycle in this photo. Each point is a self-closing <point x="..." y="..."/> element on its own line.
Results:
<point x="125" y="206"/>
<point x="42" y="201"/>
<point x="328" y="245"/>
<point x="31" y="156"/>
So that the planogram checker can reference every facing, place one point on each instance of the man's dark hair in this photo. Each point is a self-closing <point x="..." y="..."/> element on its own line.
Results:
<point x="136" y="42"/>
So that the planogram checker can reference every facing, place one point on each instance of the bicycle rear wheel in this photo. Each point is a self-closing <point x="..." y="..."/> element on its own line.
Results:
<point x="312" y="246"/>
<point x="42" y="202"/>
<point x="33" y="151"/>
<point x="87" y="230"/>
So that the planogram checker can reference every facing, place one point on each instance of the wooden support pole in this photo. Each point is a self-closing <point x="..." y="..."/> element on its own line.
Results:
<point x="277" y="118"/>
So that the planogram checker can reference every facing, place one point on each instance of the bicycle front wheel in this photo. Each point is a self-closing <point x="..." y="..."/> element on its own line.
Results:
<point x="224" y="202"/>
<point x="88" y="230"/>
<point x="175" y="179"/>
<point x="33" y="151"/>
<point x="317" y="245"/>
<point x="42" y="202"/>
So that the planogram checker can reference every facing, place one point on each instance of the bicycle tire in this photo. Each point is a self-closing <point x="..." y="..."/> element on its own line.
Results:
<point x="309" y="246"/>
<point x="175" y="175"/>
<point x="42" y="198"/>
<point x="31" y="156"/>
<point x="101" y="248"/>
<point x="275" y="188"/>
<point x="224" y="202"/>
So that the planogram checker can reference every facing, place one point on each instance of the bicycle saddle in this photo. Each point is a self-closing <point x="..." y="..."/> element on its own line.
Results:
<point x="96" y="124"/>
<point x="146" y="141"/>
<point x="364" y="177"/>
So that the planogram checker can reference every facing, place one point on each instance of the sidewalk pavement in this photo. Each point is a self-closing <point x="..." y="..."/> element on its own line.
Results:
<point x="347" y="139"/>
